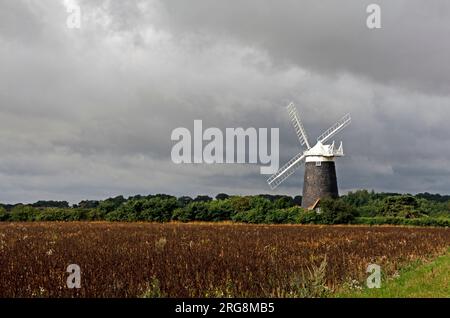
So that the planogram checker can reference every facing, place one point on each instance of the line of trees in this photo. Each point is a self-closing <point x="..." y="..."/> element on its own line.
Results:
<point x="362" y="207"/>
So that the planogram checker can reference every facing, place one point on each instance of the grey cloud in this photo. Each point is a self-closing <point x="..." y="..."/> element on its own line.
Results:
<point x="88" y="113"/>
<point x="411" y="49"/>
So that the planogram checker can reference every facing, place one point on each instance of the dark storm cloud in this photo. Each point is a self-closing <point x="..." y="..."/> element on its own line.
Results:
<point x="331" y="36"/>
<point x="88" y="113"/>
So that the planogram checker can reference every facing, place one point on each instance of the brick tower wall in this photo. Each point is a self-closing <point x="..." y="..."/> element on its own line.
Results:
<point x="320" y="182"/>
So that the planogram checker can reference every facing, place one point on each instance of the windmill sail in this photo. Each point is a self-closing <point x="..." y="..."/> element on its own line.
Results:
<point x="333" y="130"/>
<point x="299" y="129"/>
<point x="284" y="172"/>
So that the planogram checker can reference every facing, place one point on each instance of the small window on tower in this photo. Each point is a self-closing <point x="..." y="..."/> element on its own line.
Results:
<point x="318" y="163"/>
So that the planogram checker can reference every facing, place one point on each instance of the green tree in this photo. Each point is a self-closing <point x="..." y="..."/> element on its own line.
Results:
<point x="221" y="210"/>
<point x="283" y="202"/>
<point x="158" y="209"/>
<point x="4" y="216"/>
<point x="194" y="211"/>
<point x="184" y="200"/>
<point x="402" y="206"/>
<point x="203" y="198"/>
<point x="240" y="204"/>
<point x="222" y="196"/>
<point x="23" y="213"/>
<point x="335" y="211"/>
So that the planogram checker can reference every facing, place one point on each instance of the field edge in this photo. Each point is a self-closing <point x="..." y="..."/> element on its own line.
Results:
<point x="427" y="279"/>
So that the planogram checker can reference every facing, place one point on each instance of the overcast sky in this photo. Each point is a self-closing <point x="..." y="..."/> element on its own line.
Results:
<point x="88" y="113"/>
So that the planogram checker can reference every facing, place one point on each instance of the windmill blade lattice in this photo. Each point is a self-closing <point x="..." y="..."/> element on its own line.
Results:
<point x="298" y="125"/>
<point x="287" y="170"/>
<point x="333" y="130"/>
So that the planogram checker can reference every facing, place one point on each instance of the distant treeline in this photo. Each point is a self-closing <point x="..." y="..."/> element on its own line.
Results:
<point x="360" y="207"/>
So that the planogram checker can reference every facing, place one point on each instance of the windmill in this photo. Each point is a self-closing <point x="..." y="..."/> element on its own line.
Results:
<point x="320" y="170"/>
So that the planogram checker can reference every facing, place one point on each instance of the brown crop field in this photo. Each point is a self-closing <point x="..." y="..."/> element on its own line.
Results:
<point x="202" y="260"/>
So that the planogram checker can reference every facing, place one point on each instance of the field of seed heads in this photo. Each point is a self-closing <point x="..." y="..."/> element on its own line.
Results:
<point x="200" y="260"/>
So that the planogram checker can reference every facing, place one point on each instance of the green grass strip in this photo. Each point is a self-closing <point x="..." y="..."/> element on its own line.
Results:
<point x="428" y="280"/>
